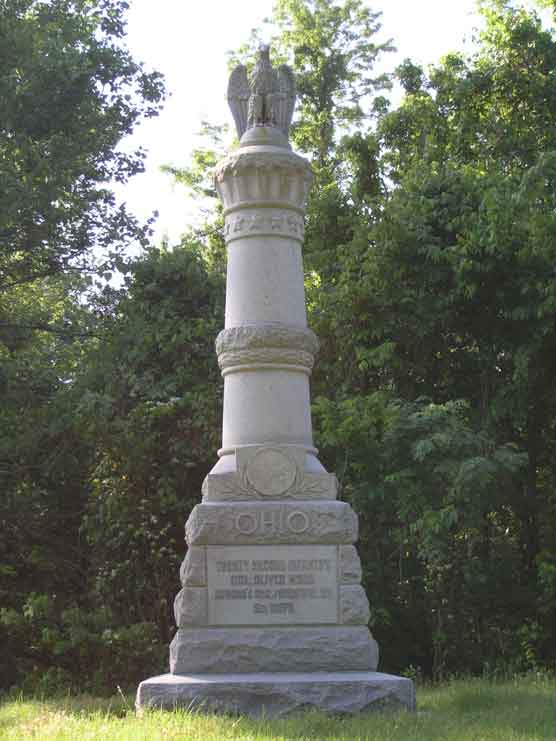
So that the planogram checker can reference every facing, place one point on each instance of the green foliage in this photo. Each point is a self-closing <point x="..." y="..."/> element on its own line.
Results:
<point x="105" y="467"/>
<point x="425" y="484"/>
<point x="198" y="175"/>
<point x="429" y="258"/>
<point x="199" y="180"/>
<point x="81" y="649"/>
<point x="44" y="457"/>
<point x="334" y="50"/>
<point x="151" y="402"/>
<point x="69" y="92"/>
<point x="449" y="295"/>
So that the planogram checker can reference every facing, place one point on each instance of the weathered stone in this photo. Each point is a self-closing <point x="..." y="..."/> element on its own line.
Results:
<point x="193" y="570"/>
<point x="265" y="98"/>
<point x="271" y="522"/>
<point x="268" y="500"/>
<point x="354" y="605"/>
<point x="271" y="472"/>
<point x="264" y="346"/>
<point x="230" y="487"/>
<point x="272" y="585"/>
<point x="241" y="650"/>
<point x="268" y="176"/>
<point x="350" y="565"/>
<point x="277" y="695"/>
<point x="191" y="607"/>
<point x="317" y="486"/>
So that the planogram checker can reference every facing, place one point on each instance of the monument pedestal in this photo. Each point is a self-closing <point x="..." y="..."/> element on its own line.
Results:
<point x="277" y="694"/>
<point x="272" y="616"/>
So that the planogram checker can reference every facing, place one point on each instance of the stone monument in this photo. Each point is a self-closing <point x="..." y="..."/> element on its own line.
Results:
<point x="272" y="616"/>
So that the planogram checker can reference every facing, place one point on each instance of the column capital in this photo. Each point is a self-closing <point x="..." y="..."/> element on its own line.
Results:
<point x="261" y="177"/>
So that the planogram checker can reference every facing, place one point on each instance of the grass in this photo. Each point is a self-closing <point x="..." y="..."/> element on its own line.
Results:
<point x="463" y="710"/>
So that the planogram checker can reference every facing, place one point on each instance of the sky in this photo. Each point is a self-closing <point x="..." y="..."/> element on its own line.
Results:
<point x="187" y="41"/>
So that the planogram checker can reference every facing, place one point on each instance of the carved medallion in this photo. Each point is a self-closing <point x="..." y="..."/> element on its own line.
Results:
<point x="271" y="472"/>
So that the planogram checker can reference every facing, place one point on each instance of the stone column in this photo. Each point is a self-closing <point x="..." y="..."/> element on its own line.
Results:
<point x="272" y="616"/>
<point x="266" y="351"/>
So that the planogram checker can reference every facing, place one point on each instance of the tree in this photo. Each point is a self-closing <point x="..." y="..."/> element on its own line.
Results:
<point x="334" y="51"/>
<point x="449" y="296"/>
<point x="44" y="467"/>
<point x="198" y="178"/>
<point x="105" y="452"/>
<point x="70" y="91"/>
<point x="333" y="48"/>
<point x="151" y="404"/>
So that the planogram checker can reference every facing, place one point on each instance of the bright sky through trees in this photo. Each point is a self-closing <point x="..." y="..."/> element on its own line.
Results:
<point x="187" y="42"/>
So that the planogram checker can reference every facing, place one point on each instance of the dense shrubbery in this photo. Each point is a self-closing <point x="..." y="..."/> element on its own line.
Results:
<point x="80" y="648"/>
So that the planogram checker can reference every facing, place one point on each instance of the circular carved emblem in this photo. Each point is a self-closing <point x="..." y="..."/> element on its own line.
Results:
<point x="271" y="472"/>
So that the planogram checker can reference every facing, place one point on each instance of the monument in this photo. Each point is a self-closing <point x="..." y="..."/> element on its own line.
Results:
<point x="272" y="617"/>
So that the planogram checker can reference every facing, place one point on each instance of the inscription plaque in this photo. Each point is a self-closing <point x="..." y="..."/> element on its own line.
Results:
<point x="277" y="585"/>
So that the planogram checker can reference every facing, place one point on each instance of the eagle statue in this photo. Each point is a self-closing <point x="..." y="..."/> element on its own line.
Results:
<point x="266" y="98"/>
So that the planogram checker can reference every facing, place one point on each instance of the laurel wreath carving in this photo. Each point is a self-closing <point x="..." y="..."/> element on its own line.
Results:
<point x="307" y="486"/>
<point x="266" y="336"/>
<point x="266" y="355"/>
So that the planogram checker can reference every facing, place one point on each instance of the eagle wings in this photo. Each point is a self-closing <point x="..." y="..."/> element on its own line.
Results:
<point x="239" y="93"/>
<point x="266" y="99"/>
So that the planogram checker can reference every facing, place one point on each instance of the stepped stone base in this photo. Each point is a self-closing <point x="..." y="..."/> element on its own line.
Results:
<point x="276" y="695"/>
<point x="271" y="649"/>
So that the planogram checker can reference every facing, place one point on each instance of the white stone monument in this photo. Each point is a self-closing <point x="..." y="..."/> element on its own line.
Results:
<point x="271" y="617"/>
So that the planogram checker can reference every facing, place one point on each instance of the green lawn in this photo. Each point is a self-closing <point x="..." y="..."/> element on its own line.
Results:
<point x="467" y="710"/>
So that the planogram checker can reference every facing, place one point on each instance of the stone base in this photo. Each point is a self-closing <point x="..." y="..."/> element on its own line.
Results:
<point x="276" y="695"/>
<point x="327" y="648"/>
